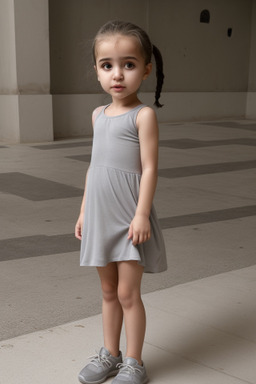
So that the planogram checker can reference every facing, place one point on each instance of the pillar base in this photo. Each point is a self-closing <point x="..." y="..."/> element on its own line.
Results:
<point x="26" y="118"/>
<point x="251" y="105"/>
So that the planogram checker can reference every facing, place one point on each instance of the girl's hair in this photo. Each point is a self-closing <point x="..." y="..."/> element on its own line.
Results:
<point x="129" y="29"/>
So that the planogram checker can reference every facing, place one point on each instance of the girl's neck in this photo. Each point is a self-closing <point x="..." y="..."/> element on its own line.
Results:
<point x="118" y="107"/>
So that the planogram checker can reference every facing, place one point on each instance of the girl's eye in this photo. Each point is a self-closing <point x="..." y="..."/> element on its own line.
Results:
<point x="129" y="65"/>
<point x="106" y="66"/>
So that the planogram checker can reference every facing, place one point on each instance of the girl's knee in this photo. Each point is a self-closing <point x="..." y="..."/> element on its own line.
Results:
<point x="109" y="291"/>
<point x="127" y="297"/>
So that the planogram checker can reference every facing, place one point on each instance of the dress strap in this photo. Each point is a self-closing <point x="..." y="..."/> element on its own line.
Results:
<point x="135" y="112"/>
<point x="97" y="111"/>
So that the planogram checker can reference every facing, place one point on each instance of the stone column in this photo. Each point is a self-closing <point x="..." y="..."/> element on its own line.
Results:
<point x="25" y="100"/>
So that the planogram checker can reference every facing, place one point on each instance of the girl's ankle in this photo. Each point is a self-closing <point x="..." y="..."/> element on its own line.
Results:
<point x="113" y="352"/>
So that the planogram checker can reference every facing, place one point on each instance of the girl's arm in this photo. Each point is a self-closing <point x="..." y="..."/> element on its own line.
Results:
<point x="80" y="221"/>
<point x="139" y="230"/>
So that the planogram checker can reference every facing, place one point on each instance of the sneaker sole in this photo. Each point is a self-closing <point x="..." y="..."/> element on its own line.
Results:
<point x="145" y="381"/>
<point x="112" y="373"/>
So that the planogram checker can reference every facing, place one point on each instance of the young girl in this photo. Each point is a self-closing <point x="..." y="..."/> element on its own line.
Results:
<point x="118" y="225"/>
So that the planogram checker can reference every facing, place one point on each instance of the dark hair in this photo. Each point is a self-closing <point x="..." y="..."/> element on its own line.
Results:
<point x="129" y="29"/>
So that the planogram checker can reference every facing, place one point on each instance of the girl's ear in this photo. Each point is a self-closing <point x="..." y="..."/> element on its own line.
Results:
<point x="148" y="70"/>
<point x="96" y="71"/>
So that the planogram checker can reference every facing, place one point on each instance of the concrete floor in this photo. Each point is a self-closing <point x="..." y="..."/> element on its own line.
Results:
<point x="201" y="312"/>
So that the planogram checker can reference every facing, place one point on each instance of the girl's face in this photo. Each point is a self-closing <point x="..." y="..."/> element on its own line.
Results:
<point x="120" y="66"/>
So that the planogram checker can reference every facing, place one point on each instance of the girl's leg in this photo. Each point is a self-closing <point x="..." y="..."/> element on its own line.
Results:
<point x="112" y="313"/>
<point x="130" y="275"/>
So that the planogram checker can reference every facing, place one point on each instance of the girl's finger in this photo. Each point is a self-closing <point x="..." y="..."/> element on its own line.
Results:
<point x="78" y="232"/>
<point x="78" y="236"/>
<point x="135" y="239"/>
<point x="141" y="239"/>
<point x="130" y="232"/>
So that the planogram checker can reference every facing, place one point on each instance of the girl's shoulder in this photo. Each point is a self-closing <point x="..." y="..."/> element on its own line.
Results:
<point x="96" y="113"/>
<point x="146" y="111"/>
<point x="145" y="116"/>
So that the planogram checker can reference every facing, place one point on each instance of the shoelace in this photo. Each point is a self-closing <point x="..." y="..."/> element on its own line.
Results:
<point x="127" y="367"/>
<point x="98" y="359"/>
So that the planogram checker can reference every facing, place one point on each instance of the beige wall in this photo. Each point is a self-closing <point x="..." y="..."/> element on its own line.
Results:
<point x="198" y="56"/>
<point x="251" y="96"/>
<point x="252" y="64"/>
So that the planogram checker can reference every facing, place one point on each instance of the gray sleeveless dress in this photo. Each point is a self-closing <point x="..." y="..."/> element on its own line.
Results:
<point x="112" y="193"/>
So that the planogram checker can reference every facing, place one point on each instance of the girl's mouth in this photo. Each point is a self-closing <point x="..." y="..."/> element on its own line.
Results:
<point x="118" y="88"/>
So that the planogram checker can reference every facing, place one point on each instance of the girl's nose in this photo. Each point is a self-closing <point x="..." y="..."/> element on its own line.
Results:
<point x="118" y="73"/>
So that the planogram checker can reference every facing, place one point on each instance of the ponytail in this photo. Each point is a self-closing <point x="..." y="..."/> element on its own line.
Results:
<point x="159" y="75"/>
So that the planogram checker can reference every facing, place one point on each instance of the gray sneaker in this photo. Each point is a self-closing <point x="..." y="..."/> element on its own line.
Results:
<point x="131" y="373"/>
<point x="102" y="366"/>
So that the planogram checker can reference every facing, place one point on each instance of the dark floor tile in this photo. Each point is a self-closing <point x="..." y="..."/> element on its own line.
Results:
<point x="208" y="217"/>
<point x="231" y="124"/>
<point x="206" y="169"/>
<point x="64" y="145"/>
<point x="85" y="158"/>
<point x="34" y="246"/>
<point x="191" y="143"/>
<point x="35" y="188"/>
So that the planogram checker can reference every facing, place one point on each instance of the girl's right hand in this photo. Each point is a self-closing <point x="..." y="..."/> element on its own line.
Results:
<point x="79" y="226"/>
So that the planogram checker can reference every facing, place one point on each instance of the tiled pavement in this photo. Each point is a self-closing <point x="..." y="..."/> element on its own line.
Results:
<point x="206" y="203"/>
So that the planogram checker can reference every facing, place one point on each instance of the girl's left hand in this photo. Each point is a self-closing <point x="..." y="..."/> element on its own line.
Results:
<point x="139" y="230"/>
